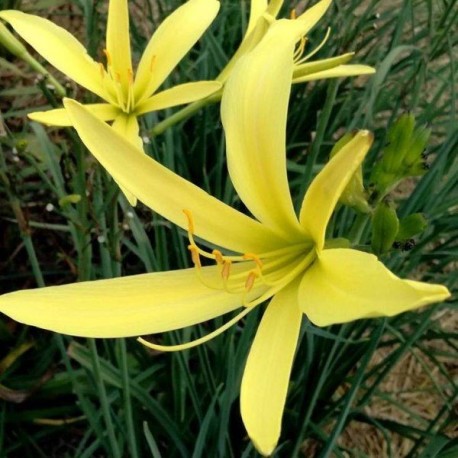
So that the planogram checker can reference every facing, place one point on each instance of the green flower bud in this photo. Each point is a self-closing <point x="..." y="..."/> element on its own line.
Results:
<point x="385" y="226"/>
<point x="410" y="226"/>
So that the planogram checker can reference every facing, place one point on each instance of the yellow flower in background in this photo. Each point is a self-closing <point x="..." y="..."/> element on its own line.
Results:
<point x="125" y="95"/>
<point x="274" y="256"/>
<point x="263" y="14"/>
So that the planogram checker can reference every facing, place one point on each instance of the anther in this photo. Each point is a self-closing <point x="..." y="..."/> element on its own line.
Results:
<point x="254" y="258"/>
<point x="250" y="280"/>
<point x="190" y="221"/>
<point x="195" y="255"/>
<point x="130" y="76"/>
<point x="218" y="256"/>
<point x="226" y="271"/>
<point x="292" y="14"/>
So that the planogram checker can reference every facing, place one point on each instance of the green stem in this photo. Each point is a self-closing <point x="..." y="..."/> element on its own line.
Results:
<point x="103" y="399"/>
<point x="185" y="113"/>
<point x="127" y="400"/>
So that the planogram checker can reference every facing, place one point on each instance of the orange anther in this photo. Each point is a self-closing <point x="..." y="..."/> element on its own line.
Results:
<point x="226" y="270"/>
<point x="190" y="221"/>
<point x="250" y="280"/>
<point x="195" y="255"/>
<point x="130" y="76"/>
<point x="253" y="257"/>
<point x="292" y="14"/>
<point x="218" y="256"/>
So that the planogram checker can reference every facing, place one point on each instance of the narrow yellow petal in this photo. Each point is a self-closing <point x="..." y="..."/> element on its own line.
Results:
<point x="320" y="65"/>
<point x="178" y="95"/>
<point x="167" y="193"/>
<point x="121" y="307"/>
<point x="118" y="41"/>
<point x="254" y="111"/>
<point x="268" y="368"/>
<point x="345" y="285"/>
<point x="325" y="190"/>
<point x="312" y="15"/>
<point x="59" y="116"/>
<point x="341" y="71"/>
<point x="59" y="48"/>
<point x="127" y="126"/>
<point x="171" y="41"/>
<point x="257" y="9"/>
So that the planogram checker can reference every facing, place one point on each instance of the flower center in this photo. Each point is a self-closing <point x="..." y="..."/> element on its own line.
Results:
<point x="262" y="275"/>
<point x="121" y="92"/>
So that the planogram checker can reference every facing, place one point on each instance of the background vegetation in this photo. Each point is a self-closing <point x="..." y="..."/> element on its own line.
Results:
<point x="382" y="387"/>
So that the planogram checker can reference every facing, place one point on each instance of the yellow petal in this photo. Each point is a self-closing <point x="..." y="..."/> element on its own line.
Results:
<point x="257" y="9"/>
<point x="121" y="307"/>
<point x="325" y="190"/>
<point x="267" y="371"/>
<point x="341" y="71"/>
<point x="59" y="48"/>
<point x="308" y="68"/>
<point x="178" y="95"/>
<point x="171" y="41"/>
<point x="118" y="41"/>
<point x="254" y="110"/>
<point x="167" y="193"/>
<point x="312" y="15"/>
<point x="345" y="285"/>
<point x="127" y="126"/>
<point x="59" y="116"/>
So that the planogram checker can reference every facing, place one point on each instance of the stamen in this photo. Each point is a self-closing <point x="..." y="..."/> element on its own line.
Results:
<point x="284" y="280"/>
<point x="190" y="221"/>
<point x="226" y="271"/>
<point x="252" y="276"/>
<point x="253" y="257"/>
<point x="293" y="14"/>
<point x="218" y="256"/>
<point x="323" y="42"/>
<point x="195" y="256"/>
<point x="201" y="340"/>
<point x="300" y="48"/>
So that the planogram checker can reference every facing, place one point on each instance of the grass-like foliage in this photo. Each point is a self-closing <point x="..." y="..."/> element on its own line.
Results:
<point x="381" y="387"/>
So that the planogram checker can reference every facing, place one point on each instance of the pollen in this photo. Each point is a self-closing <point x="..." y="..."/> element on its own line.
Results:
<point x="251" y="278"/>
<point x="190" y="221"/>
<point x="226" y="271"/>
<point x="195" y="255"/>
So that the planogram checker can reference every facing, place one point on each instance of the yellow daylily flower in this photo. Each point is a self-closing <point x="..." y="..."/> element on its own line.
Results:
<point x="281" y="257"/>
<point x="263" y="14"/>
<point x="125" y="95"/>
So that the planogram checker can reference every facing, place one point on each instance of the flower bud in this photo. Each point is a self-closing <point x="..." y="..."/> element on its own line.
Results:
<point x="410" y="226"/>
<point x="385" y="226"/>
